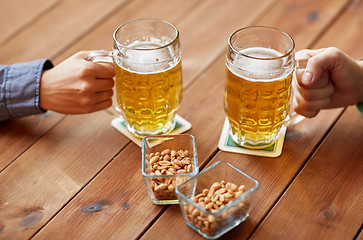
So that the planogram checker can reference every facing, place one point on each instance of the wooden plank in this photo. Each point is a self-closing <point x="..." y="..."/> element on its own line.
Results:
<point x="43" y="179"/>
<point x="17" y="135"/>
<point x="199" y="126"/>
<point x="346" y="33"/>
<point x="141" y="212"/>
<point x="101" y="37"/>
<point x="55" y="30"/>
<point x="325" y="200"/>
<point x="45" y="36"/>
<point x="17" y="14"/>
<point x="121" y="202"/>
<point x="304" y="20"/>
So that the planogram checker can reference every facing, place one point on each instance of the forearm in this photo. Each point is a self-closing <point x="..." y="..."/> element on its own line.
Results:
<point x="20" y="85"/>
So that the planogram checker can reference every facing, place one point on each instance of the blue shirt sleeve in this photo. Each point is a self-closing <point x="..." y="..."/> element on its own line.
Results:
<point x="19" y="88"/>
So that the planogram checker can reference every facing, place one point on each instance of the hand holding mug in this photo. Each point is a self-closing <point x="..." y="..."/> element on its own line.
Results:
<point x="147" y="60"/>
<point x="331" y="79"/>
<point x="77" y="86"/>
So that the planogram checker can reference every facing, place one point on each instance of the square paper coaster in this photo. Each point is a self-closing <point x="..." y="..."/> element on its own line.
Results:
<point x="227" y="144"/>
<point x="181" y="126"/>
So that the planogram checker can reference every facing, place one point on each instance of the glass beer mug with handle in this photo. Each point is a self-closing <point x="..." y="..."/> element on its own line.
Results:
<point x="147" y="59"/>
<point x="260" y="68"/>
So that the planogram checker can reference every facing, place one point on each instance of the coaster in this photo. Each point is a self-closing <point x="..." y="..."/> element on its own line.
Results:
<point x="227" y="144"/>
<point x="181" y="126"/>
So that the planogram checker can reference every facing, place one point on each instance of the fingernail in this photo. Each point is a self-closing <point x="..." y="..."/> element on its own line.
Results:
<point x="307" y="78"/>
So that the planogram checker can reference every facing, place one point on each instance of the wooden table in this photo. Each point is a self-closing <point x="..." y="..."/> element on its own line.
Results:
<point x="77" y="177"/>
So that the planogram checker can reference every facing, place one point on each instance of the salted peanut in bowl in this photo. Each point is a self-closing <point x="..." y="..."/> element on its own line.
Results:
<point x="167" y="162"/>
<point x="217" y="199"/>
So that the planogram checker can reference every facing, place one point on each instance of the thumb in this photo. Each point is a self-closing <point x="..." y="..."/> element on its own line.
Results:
<point x="316" y="73"/>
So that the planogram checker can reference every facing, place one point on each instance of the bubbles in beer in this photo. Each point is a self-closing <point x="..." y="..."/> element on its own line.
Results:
<point x="146" y="57"/>
<point x="260" y="64"/>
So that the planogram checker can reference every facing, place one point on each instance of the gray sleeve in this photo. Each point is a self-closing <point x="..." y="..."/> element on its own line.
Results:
<point x="19" y="88"/>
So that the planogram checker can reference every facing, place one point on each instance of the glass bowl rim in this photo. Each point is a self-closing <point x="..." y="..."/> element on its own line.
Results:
<point x="228" y="205"/>
<point x="195" y="154"/>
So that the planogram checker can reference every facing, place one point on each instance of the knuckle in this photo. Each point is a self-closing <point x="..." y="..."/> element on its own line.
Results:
<point x="85" y="71"/>
<point x="308" y="95"/>
<point x="108" y="103"/>
<point x="311" y="114"/>
<point x="86" y="87"/>
<point x="109" y="93"/>
<point x="304" y="105"/>
<point x="333" y="50"/>
<point x="86" y="103"/>
<point x="335" y="53"/>
<point x="306" y="113"/>
<point x="88" y="109"/>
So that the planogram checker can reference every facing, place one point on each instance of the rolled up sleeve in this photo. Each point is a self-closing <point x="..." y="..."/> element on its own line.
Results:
<point x="20" y="86"/>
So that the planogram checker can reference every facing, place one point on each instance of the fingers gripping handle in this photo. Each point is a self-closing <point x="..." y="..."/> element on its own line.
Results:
<point x="294" y="118"/>
<point x="102" y="56"/>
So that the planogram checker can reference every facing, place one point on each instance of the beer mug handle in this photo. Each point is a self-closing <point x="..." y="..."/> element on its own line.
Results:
<point x="100" y="56"/>
<point x="294" y="118"/>
<point x="105" y="57"/>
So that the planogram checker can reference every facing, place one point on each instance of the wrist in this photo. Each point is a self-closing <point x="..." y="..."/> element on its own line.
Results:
<point x="47" y="65"/>
<point x="43" y="98"/>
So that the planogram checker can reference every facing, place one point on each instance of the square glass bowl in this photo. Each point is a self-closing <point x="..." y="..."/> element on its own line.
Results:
<point x="221" y="178"/>
<point x="168" y="161"/>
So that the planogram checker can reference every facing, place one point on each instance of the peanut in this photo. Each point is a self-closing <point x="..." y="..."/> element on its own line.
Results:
<point x="214" y="199"/>
<point x="168" y="162"/>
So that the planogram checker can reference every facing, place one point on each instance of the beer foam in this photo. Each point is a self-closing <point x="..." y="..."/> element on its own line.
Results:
<point x="145" y="57"/>
<point x="259" y="64"/>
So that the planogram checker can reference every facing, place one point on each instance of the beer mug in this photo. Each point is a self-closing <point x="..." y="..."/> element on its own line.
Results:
<point x="260" y="68"/>
<point x="147" y="59"/>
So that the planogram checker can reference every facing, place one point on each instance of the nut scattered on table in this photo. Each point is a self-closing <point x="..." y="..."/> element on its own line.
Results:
<point x="169" y="162"/>
<point x="214" y="199"/>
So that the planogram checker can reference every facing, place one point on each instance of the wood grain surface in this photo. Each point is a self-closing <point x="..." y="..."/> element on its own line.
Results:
<point x="77" y="177"/>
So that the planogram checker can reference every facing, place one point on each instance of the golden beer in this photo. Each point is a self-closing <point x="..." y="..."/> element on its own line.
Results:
<point x="149" y="97"/>
<point x="257" y="96"/>
<point x="147" y="60"/>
